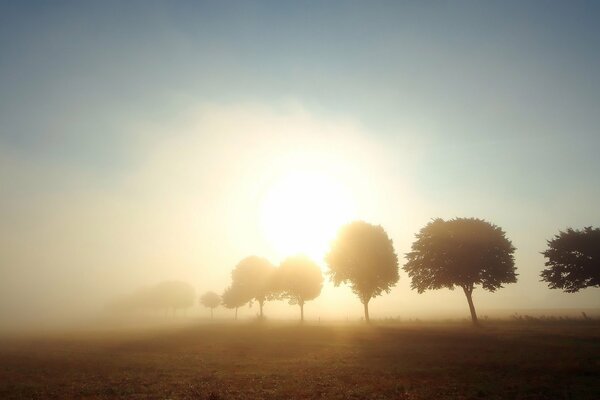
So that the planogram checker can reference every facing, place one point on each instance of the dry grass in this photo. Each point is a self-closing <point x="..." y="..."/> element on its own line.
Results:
<point x="281" y="361"/>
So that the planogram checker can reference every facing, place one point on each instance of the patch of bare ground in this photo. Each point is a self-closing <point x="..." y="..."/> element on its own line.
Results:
<point x="283" y="361"/>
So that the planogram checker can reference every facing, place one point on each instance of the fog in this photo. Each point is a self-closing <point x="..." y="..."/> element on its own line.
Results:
<point x="142" y="144"/>
<point x="187" y="207"/>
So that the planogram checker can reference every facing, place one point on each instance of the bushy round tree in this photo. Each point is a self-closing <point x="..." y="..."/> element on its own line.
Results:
<point x="210" y="300"/>
<point x="299" y="280"/>
<point x="363" y="256"/>
<point x="463" y="252"/>
<point x="234" y="297"/>
<point x="253" y="276"/>
<point x="573" y="260"/>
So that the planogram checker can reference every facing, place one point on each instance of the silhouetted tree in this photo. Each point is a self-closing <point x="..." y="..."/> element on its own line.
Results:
<point x="363" y="255"/>
<point x="234" y="297"/>
<point x="254" y="277"/>
<point x="573" y="260"/>
<point x="210" y="300"/>
<point x="462" y="252"/>
<point x="299" y="280"/>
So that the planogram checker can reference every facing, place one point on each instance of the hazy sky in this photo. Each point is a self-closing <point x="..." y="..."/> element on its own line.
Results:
<point x="140" y="141"/>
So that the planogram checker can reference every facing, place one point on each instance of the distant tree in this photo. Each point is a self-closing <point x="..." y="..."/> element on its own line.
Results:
<point x="166" y="295"/>
<point x="210" y="300"/>
<point x="363" y="255"/>
<point x="299" y="280"/>
<point x="254" y="277"/>
<point x="462" y="252"/>
<point x="234" y="297"/>
<point x="573" y="260"/>
<point x="172" y="295"/>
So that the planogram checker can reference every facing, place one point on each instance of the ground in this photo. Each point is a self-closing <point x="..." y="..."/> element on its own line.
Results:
<point x="269" y="360"/>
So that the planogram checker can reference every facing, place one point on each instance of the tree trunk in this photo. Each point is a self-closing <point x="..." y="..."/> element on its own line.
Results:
<point x="301" y="312"/>
<point x="468" y="292"/>
<point x="236" y="313"/>
<point x="366" y="305"/>
<point x="260" y="304"/>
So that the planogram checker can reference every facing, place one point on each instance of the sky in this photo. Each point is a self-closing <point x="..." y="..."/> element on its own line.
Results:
<point x="144" y="141"/>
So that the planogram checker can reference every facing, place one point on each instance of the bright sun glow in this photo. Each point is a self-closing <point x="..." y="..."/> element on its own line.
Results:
<point x="302" y="211"/>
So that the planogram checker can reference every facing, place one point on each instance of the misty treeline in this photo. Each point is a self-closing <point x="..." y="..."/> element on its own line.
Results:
<point x="459" y="253"/>
<point x="254" y="279"/>
<point x="167" y="296"/>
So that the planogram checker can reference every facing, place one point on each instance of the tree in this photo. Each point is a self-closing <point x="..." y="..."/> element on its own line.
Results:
<point x="299" y="280"/>
<point x="210" y="300"/>
<point x="462" y="252"/>
<point x="234" y="297"/>
<point x="573" y="260"/>
<point x="254" y="277"/>
<point x="363" y="256"/>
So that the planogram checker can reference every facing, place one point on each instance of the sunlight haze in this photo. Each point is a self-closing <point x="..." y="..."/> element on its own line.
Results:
<point x="143" y="142"/>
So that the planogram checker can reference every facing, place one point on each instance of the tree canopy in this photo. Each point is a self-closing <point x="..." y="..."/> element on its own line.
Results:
<point x="234" y="297"/>
<point x="462" y="252"/>
<point x="573" y="260"/>
<point x="210" y="300"/>
<point x="299" y="280"/>
<point x="254" y="276"/>
<point x="363" y="255"/>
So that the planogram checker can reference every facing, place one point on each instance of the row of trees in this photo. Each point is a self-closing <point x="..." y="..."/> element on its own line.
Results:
<point x="462" y="252"/>
<point x="165" y="296"/>
<point x="297" y="279"/>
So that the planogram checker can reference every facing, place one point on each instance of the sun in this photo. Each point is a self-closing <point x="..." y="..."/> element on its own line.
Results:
<point x="302" y="211"/>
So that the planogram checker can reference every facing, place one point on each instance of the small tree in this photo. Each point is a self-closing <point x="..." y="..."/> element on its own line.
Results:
<point x="573" y="260"/>
<point x="233" y="297"/>
<point x="210" y="300"/>
<point x="254" y="277"/>
<point x="363" y="255"/>
<point x="299" y="280"/>
<point x="462" y="252"/>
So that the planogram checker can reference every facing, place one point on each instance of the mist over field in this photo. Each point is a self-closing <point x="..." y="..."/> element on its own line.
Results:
<point x="299" y="200"/>
<point x="188" y="207"/>
<point x="142" y="143"/>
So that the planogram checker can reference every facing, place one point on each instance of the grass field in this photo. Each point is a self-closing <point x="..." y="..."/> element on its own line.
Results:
<point x="499" y="360"/>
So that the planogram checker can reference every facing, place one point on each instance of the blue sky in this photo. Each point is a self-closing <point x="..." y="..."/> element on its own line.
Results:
<point x="486" y="108"/>
<point x="478" y="77"/>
